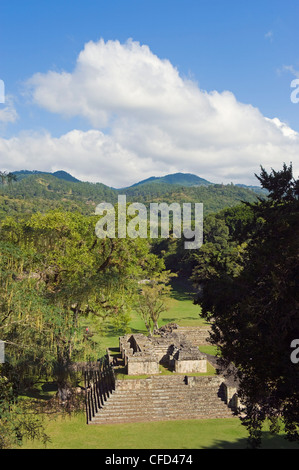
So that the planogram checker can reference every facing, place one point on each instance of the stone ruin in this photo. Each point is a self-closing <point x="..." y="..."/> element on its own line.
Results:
<point x="142" y="355"/>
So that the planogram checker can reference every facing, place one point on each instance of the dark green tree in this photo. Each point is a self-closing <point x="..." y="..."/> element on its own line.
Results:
<point x="255" y="310"/>
<point x="10" y="178"/>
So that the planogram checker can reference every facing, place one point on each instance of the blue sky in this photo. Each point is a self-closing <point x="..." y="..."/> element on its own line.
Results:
<point x="249" y="49"/>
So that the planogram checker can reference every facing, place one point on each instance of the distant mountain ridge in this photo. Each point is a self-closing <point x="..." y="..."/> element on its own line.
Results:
<point x="36" y="191"/>
<point x="61" y="174"/>
<point x="182" y="179"/>
<point x="177" y="179"/>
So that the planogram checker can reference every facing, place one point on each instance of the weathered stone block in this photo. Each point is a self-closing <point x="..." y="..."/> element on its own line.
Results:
<point x="190" y="366"/>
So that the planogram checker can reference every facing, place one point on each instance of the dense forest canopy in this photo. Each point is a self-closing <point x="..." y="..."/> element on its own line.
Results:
<point x="250" y="287"/>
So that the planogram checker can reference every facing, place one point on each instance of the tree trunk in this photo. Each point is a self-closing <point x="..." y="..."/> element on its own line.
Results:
<point x="64" y="391"/>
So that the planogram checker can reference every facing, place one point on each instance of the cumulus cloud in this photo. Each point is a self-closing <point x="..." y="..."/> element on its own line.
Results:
<point x="91" y="156"/>
<point x="147" y="120"/>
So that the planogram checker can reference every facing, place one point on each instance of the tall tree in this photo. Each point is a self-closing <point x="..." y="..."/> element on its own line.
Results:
<point x="10" y="178"/>
<point x="54" y="272"/>
<point x="152" y="299"/>
<point x="255" y="310"/>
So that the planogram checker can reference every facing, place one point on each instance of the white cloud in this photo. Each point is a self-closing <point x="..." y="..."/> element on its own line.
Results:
<point x="147" y="120"/>
<point x="91" y="156"/>
<point x="290" y="68"/>
<point x="115" y="79"/>
<point x="8" y="113"/>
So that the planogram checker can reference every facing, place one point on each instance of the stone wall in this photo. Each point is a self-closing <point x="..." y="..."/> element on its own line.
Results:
<point x="142" y="355"/>
<point x="197" y="335"/>
<point x="231" y="396"/>
<point x="190" y="366"/>
<point x="139" y="358"/>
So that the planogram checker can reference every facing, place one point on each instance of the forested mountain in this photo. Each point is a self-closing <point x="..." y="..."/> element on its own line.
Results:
<point x="181" y="179"/>
<point x="178" y="179"/>
<point x="38" y="192"/>
<point x="41" y="192"/>
<point x="214" y="196"/>
<point x="59" y="174"/>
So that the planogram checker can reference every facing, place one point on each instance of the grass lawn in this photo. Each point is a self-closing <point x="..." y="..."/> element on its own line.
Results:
<point x="73" y="433"/>
<point x="180" y="309"/>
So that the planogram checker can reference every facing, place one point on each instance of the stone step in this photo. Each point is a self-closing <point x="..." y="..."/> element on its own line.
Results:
<point x="128" y="385"/>
<point x="162" y="413"/>
<point x="166" y="401"/>
<point x="134" y="418"/>
<point x="164" y="398"/>
<point x="175" y="390"/>
<point x="122" y="413"/>
<point x="101" y="419"/>
<point x="186" y="411"/>
<point x="161" y="405"/>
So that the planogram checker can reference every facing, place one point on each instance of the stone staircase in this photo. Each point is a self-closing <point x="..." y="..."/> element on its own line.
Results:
<point x="164" y="398"/>
<point x="196" y="335"/>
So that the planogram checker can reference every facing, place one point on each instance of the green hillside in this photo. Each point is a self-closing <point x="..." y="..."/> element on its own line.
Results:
<point x="214" y="197"/>
<point x="42" y="192"/>
<point x="59" y="174"/>
<point x="181" y="179"/>
<point x="39" y="192"/>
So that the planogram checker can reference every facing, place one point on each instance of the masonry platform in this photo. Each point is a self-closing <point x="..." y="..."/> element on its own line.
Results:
<point x="185" y="392"/>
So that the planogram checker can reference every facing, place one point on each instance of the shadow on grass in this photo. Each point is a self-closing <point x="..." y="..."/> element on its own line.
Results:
<point x="189" y="318"/>
<point x="269" y="441"/>
<point x="136" y="331"/>
<point x="182" y="289"/>
<point x="168" y="320"/>
<point x="112" y="330"/>
<point x="44" y="392"/>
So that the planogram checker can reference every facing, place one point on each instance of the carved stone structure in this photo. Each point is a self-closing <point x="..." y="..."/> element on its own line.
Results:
<point x="159" y="397"/>
<point x="138" y="355"/>
<point x="142" y="355"/>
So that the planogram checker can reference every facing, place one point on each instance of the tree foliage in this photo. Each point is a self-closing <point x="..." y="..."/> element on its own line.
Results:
<point x="255" y="309"/>
<point x="54" y="272"/>
<point x="152" y="299"/>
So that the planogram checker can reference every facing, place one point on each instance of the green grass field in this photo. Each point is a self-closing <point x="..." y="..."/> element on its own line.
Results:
<point x="74" y="433"/>
<point x="180" y="309"/>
